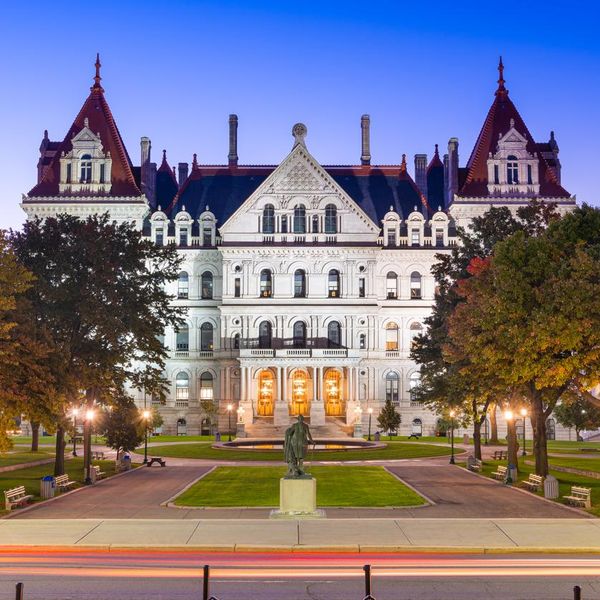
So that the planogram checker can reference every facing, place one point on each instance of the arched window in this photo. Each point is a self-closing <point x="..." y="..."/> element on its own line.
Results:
<point x="414" y="381"/>
<point x="415" y="285"/>
<point x="265" y="335"/>
<point x="334" y="334"/>
<point x="299" y="284"/>
<point x="315" y="224"/>
<point x="415" y="330"/>
<point x="85" y="169"/>
<point x="206" y="284"/>
<point x="206" y="337"/>
<point x="391" y="336"/>
<point x="206" y="386"/>
<point x="333" y="283"/>
<point x="417" y="427"/>
<point x="299" y="219"/>
<point x="392" y="385"/>
<point x="268" y="219"/>
<point x="235" y="342"/>
<point x="299" y="334"/>
<point x="266" y="391"/>
<point x="266" y="283"/>
<point x="183" y="285"/>
<point x="551" y="429"/>
<point x="362" y="341"/>
<point x="182" y="386"/>
<point x="330" y="219"/>
<point x="512" y="170"/>
<point x="182" y="339"/>
<point x="391" y="285"/>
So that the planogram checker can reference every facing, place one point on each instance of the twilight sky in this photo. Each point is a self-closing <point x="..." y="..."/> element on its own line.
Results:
<point x="173" y="70"/>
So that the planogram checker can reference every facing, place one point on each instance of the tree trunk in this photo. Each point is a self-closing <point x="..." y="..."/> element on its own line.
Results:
<point x="59" y="459"/>
<point x="35" y="436"/>
<point x="540" y="444"/>
<point x="493" y="424"/>
<point x="477" y="438"/>
<point x="511" y="438"/>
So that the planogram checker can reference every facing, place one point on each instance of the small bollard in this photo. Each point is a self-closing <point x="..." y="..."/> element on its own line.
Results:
<point x="19" y="595"/>
<point x="367" y="570"/>
<point x="205" y="584"/>
<point x="576" y="593"/>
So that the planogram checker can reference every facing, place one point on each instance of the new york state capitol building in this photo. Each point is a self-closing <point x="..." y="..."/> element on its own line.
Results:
<point x="304" y="283"/>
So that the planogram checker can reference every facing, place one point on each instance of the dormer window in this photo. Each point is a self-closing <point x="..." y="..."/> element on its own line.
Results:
<point x="183" y="237"/>
<point x="512" y="170"/>
<point x="160" y="236"/>
<point x="85" y="169"/>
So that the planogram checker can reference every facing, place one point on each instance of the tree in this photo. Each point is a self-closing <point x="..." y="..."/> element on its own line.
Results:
<point x="389" y="418"/>
<point x="443" y="383"/>
<point x="529" y="321"/>
<point x="210" y="408"/>
<point x="122" y="427"/>
<point x="578" y="413"/>
<point x="100" y="291"/>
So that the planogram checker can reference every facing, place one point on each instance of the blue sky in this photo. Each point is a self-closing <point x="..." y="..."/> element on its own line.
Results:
<point x="174" y="70"/>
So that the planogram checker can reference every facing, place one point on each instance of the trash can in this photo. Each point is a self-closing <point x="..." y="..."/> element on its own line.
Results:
<point x="47" y="487"/>
<point x="377" y="436"/>
<point x="550" y="487"/>
<point x="217" y="437"/>
<point x="126" y="462"/>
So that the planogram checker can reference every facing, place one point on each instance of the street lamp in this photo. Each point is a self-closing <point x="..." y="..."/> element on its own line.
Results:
<point x="75" y="413"/>
<point x="229" y="409"/>
<point x="508" y="415"/>
<point x="146" y="416"/>
<point x="524" y="414"/>
<point x="240" y="412"/>
<point x="452" y="414"/>
<point x="370" y="411"/>
<point x="87" y="445"/>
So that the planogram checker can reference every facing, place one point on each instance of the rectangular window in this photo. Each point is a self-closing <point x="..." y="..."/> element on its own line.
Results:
<point x="207" y="236"/>
<point x="361" y="287"/>
<point x="415" y="238"/>
<point x="439" y="237"/>
<point x="391" y="237"/>
<point x="237" y="287"/>
<point x="68" y="173"/>
<point x="183" y="237"/>
<point x="102" y="171"/>
<point x="496" y="175"/>
<point x="529" y="175"/>
<point x="160" y="237"/>
<point x="284" y="228"/>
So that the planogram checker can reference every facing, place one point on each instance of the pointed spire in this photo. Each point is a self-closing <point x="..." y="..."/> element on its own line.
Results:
<point x="403" y="164"/>
<point x="195" y="163"/>
<point x="502" y="92"/>
<point x="437" y="152"/>
<point x="164" y="157"/>
<point x="97" y="78"/>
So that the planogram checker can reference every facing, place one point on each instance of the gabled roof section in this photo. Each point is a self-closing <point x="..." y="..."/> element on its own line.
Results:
<point x="166" y="183"/>
<point x="435" y="181"/>
<point x="101" y="121"/>
<point x="497" y="124"/>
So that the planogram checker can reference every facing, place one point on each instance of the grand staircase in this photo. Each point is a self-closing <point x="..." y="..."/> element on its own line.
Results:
<point x="263" y="428"/>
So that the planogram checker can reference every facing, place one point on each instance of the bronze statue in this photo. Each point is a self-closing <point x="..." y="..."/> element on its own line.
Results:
<point x="297" y="438"/>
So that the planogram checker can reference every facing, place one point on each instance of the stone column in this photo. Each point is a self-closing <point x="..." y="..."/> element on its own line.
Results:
<point x="317" y="408"/>
<point x="281" y="415"/>
<point x="246" y="397"/>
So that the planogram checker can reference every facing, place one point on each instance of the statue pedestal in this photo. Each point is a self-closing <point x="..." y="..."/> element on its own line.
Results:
<point x="297" y="498"/>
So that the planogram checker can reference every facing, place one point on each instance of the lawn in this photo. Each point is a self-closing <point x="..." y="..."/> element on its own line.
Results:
<point x="565" y="480"/>
<point x="14" y="458"/>
<point x="183" y="438"/>
<point x="577" y="462"/>
<point x="44" y="440"/>
<point x="336" y="486"/>
<point x="393" y="450"/>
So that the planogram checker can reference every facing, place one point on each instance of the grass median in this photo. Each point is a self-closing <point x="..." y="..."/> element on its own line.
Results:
<point x="336" y="486"/>
<point x="392" y="451"/>
<point x="9" y="459"/>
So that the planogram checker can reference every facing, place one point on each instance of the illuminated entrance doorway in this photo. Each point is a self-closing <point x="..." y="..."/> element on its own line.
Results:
<point x="334" y="405"/>
<point x="299" y="404"/>
<point x="266" y="384"/>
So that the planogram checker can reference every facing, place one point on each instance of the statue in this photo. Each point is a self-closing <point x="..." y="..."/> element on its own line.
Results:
<point x="297" y="438"/>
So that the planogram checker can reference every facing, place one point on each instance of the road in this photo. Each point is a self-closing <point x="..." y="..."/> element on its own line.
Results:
<point x="128" y="575"/>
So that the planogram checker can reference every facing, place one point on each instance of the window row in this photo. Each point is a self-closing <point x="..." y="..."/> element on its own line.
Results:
<point x="182" y="386"/>
<point x="298" y="221"/>
<point x="206" y="285"/>
<point x="392" y="386"/>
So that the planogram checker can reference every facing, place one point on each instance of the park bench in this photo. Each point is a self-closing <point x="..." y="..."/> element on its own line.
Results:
<point x="63" y="483"/>
<point x="474" y="464"/>
<point x="16" y="497"/>
<point x="580" y="496"/>
<point x="99" y="474"/>
<point x="499" y="455"/>
<point x="415" y="436"/>
<point x="501" y="473"/>
<point x="534" y="482"/>
<point x="158" y="460"/>
<point x="98" y="455"/>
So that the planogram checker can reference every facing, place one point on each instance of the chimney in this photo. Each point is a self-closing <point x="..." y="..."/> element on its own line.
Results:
<point x="452" y="169"/>
<point x="233" y="155"/>
<point x="421" y="173"/>
<point x="365" y="126"/>
<point x="146" y="173"/>
<point x="183" y="172"/>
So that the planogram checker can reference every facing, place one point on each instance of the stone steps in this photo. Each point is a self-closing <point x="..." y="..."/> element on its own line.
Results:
<point x="263" y="428"/>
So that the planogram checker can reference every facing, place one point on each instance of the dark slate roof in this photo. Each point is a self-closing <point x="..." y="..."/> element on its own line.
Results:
<point x="224" y="189"/>
<point x="166" y="183"/>
<point x="435" y="182"/>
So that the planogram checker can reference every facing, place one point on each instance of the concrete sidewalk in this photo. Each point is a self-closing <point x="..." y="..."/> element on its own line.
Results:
<point x="335" y="535"/>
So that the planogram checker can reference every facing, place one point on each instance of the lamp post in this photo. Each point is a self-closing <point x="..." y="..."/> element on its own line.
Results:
<point x="452" y="414"/>
<point x="75" y="413"/>
<point x="524" y="414"/>
<point x="87" y="445"/>
<point x="229" y="409"/>
<point x="370" y="411"/>
<point x="508" y="415"/>
<point x="146" y="417"/>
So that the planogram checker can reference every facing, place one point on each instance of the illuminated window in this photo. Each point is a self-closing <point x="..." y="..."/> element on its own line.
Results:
<point x="415" y="285"/>
<point x="206" y="337"/>
<point x="266" y="384"/>
<point x="333" y="283"/>
<point x="206" y="386"/>
<point x="391" y="336"/>
<point x="391" y="285"/>
<point x="333" y="393"/>
<point x="392" y="386"/>
<point x="182" y="386"/>
<point x="266" y="283"/>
